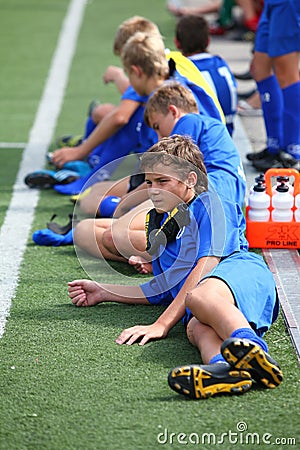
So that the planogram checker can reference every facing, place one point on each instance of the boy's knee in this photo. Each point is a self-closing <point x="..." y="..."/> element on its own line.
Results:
<point x="80" y="232"/>
<point x="107" y="240"/>
<point x="193" y="298"/>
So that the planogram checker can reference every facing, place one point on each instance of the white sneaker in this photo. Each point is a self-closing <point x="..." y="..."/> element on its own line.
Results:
<point x="244" y="109"/>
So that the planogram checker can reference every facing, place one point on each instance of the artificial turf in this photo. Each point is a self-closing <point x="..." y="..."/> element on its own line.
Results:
<point x="64" y="382"/>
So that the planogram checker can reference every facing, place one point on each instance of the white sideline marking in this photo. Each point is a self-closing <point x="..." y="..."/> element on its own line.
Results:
<point x="4" y="145"/>
<point x="19" y="216"/>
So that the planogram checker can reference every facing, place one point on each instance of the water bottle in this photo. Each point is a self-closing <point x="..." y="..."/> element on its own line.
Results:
<point x="282" y="202"/>
<point x="259" y="203"/>
<point x="259" y="179"/>
<point x="283" y="179"/>
<point x="297" y="210"/>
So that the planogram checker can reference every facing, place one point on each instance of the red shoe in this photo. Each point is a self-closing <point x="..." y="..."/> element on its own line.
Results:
<point x="217" y="30"/>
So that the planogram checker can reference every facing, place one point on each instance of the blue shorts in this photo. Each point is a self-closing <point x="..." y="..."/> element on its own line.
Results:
<point x="278" y="31"/>
<point x="253" y="288"/>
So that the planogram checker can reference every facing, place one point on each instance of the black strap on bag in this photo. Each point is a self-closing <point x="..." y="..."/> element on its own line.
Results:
<point x="160" y="234"/>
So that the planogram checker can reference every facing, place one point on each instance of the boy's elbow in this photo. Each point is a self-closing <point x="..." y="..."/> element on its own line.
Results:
<point x="120" y="119"/>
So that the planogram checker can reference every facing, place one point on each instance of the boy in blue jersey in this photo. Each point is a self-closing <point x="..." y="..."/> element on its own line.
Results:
<point x="145" y="64"/>
<point x="192" y="39"/>
<point x="193" y="235"/>
<point x="144" y="59"/>
<point x="111" y="132"/>
<point x="275" y="68"/>
<point x="172" y="110"/>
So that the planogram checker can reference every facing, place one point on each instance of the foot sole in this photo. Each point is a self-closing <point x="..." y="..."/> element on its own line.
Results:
<point x="198" y="383"/>
<point x="246" y="355"/>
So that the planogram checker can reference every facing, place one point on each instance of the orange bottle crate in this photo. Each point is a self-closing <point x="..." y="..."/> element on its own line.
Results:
<point x="275" y="234"/>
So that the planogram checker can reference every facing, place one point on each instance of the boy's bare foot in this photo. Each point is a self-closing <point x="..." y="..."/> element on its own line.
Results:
<point x="141" y="265"/>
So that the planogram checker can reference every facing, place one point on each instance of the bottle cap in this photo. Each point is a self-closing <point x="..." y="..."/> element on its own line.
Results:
<point x="283" y="179"/>
<point x="261" y="178"/>
<point x="282" y="187"/>
<point x="259" y="187"/>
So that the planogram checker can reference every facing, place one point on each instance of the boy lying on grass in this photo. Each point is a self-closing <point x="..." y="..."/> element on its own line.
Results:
<point x="224" y="295"/>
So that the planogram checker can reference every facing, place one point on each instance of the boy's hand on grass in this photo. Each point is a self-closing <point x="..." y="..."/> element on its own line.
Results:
<point x="141" y="334"/>
<point x="85" y="292"/>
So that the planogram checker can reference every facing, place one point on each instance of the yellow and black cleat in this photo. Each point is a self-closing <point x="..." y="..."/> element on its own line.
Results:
<point x="203" y="381"/>
<point x="243" y="354"/>
<point x="69" y="141"/>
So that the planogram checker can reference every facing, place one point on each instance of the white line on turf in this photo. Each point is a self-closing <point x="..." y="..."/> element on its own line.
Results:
<point x="4" y="145"/>
<point x="18" y="220"/>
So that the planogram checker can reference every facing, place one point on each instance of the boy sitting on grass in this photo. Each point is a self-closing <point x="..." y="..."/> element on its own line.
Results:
<point x="203" y="274"/>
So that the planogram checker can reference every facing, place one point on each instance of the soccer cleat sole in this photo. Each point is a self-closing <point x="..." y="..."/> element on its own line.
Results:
<point x="198" y="383"/>
<point x="46" y="181"/>
<point x="243" y="354"/>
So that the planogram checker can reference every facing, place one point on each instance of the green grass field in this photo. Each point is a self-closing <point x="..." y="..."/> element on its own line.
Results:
<point x="64" y="383"/>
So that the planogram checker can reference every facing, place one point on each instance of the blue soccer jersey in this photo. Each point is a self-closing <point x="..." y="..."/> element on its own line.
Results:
<point x="135" y="136"/>
<point x="206" y="104"/>
<point x="214" y="230"/>
<point x="209" y="233"/>
<point x="221" y="158"/>
<point x="218" y="74"/>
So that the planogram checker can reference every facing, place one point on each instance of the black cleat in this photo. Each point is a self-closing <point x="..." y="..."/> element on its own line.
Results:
<point x="281" y="159"/>
<point x="242" y="354"/>
<point x="255" y="156"/>
<point x="198" y="382"/>
<point x="269" y="161"/>
<point x="47" y="179"/>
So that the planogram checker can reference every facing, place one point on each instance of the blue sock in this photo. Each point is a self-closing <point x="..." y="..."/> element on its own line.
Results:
<point x="90" y="125"/>
<point x="217" y="359"/>
<point x="248" y="333"/>
<point x="291" y="114"/>
<point x="272" y="106"/>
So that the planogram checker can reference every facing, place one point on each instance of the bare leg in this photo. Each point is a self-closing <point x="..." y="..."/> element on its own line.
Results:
<point x="89" y="205"/>
<point x="261" y="66"/>
<point x="287" y="69"/>
<point x="127" y="235"/>
<point x="212" y="303"/>
<point x="204" y="338"/>
<point x="88" y="236"/>
<point x="100" y="111"/>
<point x="210" y="7"/>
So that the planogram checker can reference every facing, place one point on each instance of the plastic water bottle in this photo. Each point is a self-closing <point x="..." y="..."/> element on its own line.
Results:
<point x="259" y="203"/>
<point x="259" y="179"/>
<point x="283" y="179"/>
<point x="282" y="202"/>
<point x="297" y="210"/>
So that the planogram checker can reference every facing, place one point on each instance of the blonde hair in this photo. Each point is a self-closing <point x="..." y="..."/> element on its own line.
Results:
<point x="130" y="27"/>
<point x="170" y="93"/>
<point x="148" y="52"/>
<point x="180" y="153"/>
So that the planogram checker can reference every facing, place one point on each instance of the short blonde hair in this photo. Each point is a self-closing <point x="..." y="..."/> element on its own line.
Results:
<point x="148" y="52"/>
<point x="170" y="93"/>
<point x="182" y="154"/>
<point x="130" y="27"/>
